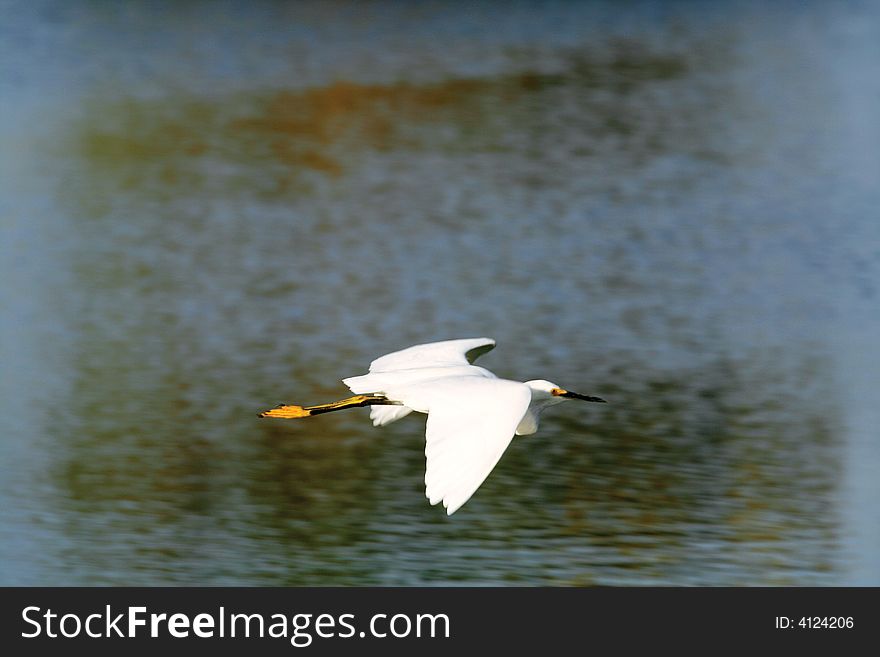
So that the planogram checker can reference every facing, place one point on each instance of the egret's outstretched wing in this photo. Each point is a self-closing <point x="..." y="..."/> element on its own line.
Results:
<point x="470" y="423"/>
<point x="434" y="354"/>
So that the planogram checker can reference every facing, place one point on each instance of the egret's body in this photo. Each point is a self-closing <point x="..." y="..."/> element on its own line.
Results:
<point x="472" y="414"/>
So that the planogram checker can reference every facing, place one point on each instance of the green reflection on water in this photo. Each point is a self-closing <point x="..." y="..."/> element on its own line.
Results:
<point x="282" y="143"/>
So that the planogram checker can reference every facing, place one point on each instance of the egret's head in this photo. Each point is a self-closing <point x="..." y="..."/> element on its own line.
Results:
<point x="550" y="392"/>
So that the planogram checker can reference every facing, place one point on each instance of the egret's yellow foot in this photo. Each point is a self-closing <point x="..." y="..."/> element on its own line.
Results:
<point x="287" y="411"/>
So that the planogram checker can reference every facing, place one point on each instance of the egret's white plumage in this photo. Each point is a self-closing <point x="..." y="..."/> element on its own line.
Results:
<point x="471" y="421"/>
<point x="472" y="414"/>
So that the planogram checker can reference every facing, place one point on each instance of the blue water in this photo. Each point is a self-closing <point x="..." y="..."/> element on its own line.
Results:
<point x="208" y="211"/>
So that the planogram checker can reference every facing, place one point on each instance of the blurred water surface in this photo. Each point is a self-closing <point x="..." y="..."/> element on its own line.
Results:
<point x="206" y="212"/>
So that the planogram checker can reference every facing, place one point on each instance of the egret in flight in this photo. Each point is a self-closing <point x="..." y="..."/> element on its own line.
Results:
<point x="472" y="414"/>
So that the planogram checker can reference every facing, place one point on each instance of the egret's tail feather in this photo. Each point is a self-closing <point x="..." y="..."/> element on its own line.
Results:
<point x="291" y="411"/>
<point x="382" y="415"/>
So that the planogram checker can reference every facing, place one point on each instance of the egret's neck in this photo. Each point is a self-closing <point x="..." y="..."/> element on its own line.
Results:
<point x="540" y="401"/>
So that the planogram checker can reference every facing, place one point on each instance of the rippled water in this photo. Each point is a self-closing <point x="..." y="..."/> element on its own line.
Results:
<point x="671" y="205"/>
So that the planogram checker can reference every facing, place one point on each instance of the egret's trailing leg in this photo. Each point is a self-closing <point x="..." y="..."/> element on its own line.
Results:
<point x="290" y="411"/>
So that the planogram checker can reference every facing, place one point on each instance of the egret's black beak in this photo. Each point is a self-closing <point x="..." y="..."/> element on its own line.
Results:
<point x="559" y="392"/>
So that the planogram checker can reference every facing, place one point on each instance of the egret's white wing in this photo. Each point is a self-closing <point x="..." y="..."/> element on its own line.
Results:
<point x="434" y="354"/>
<point x="396" y="373"/>
<point x="471" y="422"/>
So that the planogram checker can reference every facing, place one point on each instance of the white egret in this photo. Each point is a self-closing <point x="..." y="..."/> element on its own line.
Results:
<point x="472" y="414"/>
